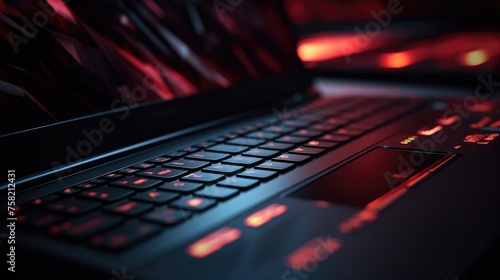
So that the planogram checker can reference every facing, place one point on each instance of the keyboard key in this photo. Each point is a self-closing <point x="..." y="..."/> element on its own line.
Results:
<point x="72" y="206"/>
<point x="230" y="149"/>
<point x="85" y="185"/>
<point x="111" y="176"/>
<point x="246" y="141"/>
<point x="275" y="166"/>
<point x="190" y="149"/>
<point x="263" y="153"/>
<point x="157" y="197"/>
<point x="176" y="154"/>
<point x="337" y="121"/>
<point x="129" y="171"/>
<point x="203" y="177"/>
<point x="183" y="187"/>
<point x="321" y="144"/>
<point x="217" y="192"/>
<point x="143" y="165"/>
<point x="292" y="139"/>
<point x="70" y="191"/>
<point x="307" y="133"/>
<point x="194" y="203"/>
<point x="128" y="208"/>
<point x="296" y="123"/>
<point x="167" y="216"/>
<point x="292" y="158"/>
<point x="39" y="219"/>
<point x="136" y="183"/>
<point x="187" y="164"/>
<point x="98" y="181"/>
<point x="43" y="200"/>
<point x="106" y="194"/>
<point x="279" y="129"/>
<point x="264" y="135"/>
<point x="86" y="226"/>
<point x="335" y="138"/>
<point x="325" y="127"/>
<point x="125" y="235"/>
<point x="258" y="174"/>
<point x="276" y="146"/>
<point x="239" y="183"/>
<point x="244" y="161"/>
<point x="206" y="144"/>
<point x="209" y="156"/>
<point x="158" y="160"/>
<point x="224" y="169"/>
<point x="307" y="151"/>
<point x="348" y="132"/>
<point x="162" y="173"/>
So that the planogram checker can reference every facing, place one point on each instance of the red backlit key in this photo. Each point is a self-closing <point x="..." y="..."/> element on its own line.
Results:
<point x="72" y="206"/>
<point x="124" y="236"/>
<point x="177" y="154"/>
<point x="337" y="121"/>
<point x="129" y="208"/>
<point x="230" y="149"/>
<point x="86" y="226"/>
<point x="136" y="183"/>
<point x="163" y="173"/>
<point x="275" y="166"/>
<point x="202" y="177"/>
<point x="217" y="192"/>
<point x="324" y="127"/>
<point x="321" y="144"/>
<point x="238" y="183"/>
<point x="157" y="197"/>
<point x="276" y="146"/>
<point x="167" y="216"/>
<point x="187" y="164"/>
<point x="111" y="176"/>
<point x="307" y="151"/>
<point x="85" y="186"/>
<point x="246" y="141"/>
<point x="307" y="133"/>
<point x="279" y="129"/>
<point x="44" y="200"/>
<point x="262" y="153"/>
<point x="258" y="174"/>
<point x="296" y="123"/>
<point x="158" y="160"/>
<point x="143" y="165"/>
<point x="292" y="158"/>
<point x="184" y="187"/>
<point x="348" y="132"/>
<point x="245" y="161"/>
<point x="205" y="144"/>
<point x="129" y="170"/>
<point x="223" y="169"/>
<point x="292" y="139"/>
<point x="209" y="156"/>
<point x="39" y="219"/>
<point x="105" y="194"/>
<point x="69" y="191"/>
<point x="194" y="203"/>
<point x="335" y="138"/>
<point x="213" y="242"/>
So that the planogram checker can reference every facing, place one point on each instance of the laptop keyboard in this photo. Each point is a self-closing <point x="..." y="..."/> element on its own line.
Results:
<point x="121" y="208"/>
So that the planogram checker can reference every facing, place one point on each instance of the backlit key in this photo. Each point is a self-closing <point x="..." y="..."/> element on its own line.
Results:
<point x="321" y="144"/>
<point x="128" y="208"/>
<point x="179" y="186"/>
<point x="223" y="169"/>
<point x="158" y="160"/>
<point x="106" y="194"/>
<point x="208" y="156"/>
<point x="246" y="141"/>
<point x="230" y="149"/>
<point x="244" y="161"/>
<point x="307" y="133"/>
<point x="44" y="200"/>
<point x="39" y="219"/>
<point x="194" y="203"/>
<point x="187" y="164"/>
<point x="143" y="165"/>
<point x="167" y="216"/>
<point x="276" y="146"/>
<point x="84" y="227"/>
<point x="292" y="158"/>
<point x="263" y="153"/>
<point x="111" y="176"/>
<point x="213" y="242"/>
<point x="157" y="197"/>
<point x="217" y="192"/>
<point x="203" y="177"/>
<point x="275" y="166"/>
<point x="292" y="139"/>
<point x="136" y="183"/>
<point x="307" y="151"/>
<point x="72" y="206"/>
<point x="258" y="174"/>
<point x="239" y="183"/>
<point x="162" y="173"/>
<point x="70" y="191"/>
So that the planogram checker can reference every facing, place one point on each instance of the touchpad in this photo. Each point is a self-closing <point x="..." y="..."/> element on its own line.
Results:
<point x="368" y="177"/>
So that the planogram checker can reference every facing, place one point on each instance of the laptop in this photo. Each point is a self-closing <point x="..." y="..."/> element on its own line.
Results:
<point x="185" y="140"/>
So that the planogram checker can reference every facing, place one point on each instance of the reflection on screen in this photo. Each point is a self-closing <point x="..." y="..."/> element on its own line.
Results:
<point x="67" y="59"/>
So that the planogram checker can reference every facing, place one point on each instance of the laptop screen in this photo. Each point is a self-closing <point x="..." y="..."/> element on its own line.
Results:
<point x="63" y="60"/>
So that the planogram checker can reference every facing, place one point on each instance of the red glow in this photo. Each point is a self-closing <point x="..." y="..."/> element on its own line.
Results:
<point x="61" y="8"/>
<point x="265" y="215"/>
<point x="195" y="202"/>
<point x="163" y="172"/>
<point x="431" y="131"/>
<point x="126" y="207"/>
<point x="395" y="60"/>
<point x="140" y="181"/>
<point x="37" y="201"/>
<point x="448" y="121"/>
<point x="213" y="242"/>
<point x="154" y="194"/>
